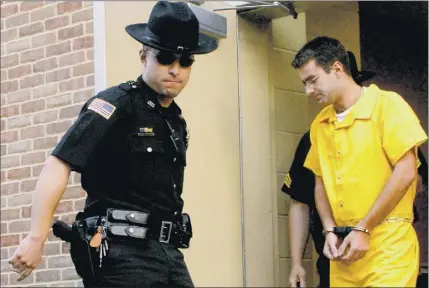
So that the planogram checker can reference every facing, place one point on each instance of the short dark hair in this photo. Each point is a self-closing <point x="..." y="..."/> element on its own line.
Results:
<point x="325" y="51"/>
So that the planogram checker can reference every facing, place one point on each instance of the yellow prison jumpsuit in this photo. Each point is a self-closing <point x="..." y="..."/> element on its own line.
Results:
<point x="355" y="158"/>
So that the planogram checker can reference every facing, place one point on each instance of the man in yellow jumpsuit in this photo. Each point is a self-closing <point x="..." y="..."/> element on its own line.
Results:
<point x="363" y="153"/>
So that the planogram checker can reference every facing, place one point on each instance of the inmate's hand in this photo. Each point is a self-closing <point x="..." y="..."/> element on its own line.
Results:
<point x="331" y="246"/>
<point x="355" y="244"/>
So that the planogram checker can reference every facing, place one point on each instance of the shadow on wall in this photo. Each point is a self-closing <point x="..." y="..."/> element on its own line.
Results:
<point x="394" y="43"/>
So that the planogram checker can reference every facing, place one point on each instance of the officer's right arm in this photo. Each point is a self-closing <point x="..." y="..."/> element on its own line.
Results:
<point x="49" y="190"/>
<point x="96" y="119"/>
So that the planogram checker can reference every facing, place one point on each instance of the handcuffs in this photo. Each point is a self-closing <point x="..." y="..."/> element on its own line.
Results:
<point x="343" y="231"/>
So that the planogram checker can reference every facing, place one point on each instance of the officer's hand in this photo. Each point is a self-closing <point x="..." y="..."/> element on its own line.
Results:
<point x="331" y="246"/>
<point x="27" y="256"/>
<point x="297" y="274"/>
<point x="357" y="243"/>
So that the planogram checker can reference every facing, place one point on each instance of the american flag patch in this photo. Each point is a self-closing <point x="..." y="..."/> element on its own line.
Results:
<point x="102" y="108"/>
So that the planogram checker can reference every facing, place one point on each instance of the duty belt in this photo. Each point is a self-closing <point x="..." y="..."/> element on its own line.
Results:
<point x="175" y="229"/>
<point x="89" y="236"/>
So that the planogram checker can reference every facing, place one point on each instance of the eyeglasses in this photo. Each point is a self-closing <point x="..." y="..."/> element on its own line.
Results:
<point x="168" y="58"/>
<point x="313" y="81"/>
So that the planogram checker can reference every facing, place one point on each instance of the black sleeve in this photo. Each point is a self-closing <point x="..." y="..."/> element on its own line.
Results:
<point x="94" y="122"/>
<point x="423" y="168"/>
<point x="299" y="182"/>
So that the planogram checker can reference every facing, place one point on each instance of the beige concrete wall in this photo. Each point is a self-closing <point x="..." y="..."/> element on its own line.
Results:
<point x="212" y="177"/>
<point x="256" y="151"/>
<point x="290" y="122"/>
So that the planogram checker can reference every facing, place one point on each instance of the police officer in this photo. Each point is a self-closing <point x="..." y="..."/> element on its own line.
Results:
<point x="299" y="185"/>
<point x="129" y="144"/>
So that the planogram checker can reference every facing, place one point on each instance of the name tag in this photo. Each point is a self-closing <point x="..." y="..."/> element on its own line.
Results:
<point x="145" y="131"/>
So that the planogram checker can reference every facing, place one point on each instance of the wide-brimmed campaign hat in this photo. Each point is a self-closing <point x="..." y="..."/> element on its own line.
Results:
<point x="358" y="76"/>
<point x="172" y="27"/>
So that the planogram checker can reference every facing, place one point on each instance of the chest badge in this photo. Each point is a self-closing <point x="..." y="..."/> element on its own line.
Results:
<point x="146" y="131"/>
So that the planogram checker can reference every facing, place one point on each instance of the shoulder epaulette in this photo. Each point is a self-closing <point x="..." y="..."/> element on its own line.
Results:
<point x="128" y="86"/>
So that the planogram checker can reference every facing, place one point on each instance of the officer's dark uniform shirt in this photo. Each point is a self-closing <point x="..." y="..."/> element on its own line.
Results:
<point x="299" y="185"/>
<point x="423" y="172"/>
<point x="423" y="167"/>
<point x="123" y="147"/>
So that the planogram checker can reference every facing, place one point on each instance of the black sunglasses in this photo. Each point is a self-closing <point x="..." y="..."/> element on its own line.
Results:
<point x="167" y="58"/>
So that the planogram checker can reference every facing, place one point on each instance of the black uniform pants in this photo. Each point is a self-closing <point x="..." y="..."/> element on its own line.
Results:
<point x="134" y="264"/>
<point x="323" y="271"/>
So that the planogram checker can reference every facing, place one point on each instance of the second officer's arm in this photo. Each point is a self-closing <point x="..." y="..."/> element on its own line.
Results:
<point x="299" y="217"/>
<point x="299" y="186"/>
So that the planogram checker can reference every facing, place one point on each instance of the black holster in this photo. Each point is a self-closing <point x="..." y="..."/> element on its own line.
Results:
<point x="78" y="235"/>
<point x="184" y="234"/>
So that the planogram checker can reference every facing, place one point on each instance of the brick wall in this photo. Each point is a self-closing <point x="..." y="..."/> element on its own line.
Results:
<point x="47" y="72"/>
